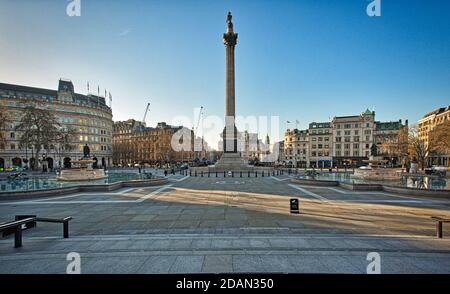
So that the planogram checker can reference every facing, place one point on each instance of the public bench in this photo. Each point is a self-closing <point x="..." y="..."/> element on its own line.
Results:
<point x="18" y="225"/>
<point x="439" y="225"/>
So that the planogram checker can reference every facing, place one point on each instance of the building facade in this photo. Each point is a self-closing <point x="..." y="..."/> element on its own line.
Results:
<point x="352" y="138"/>
<point x="426" y="125"/>
<point x="296" y="148"/>
<point x="391" y="143"/>
<point x="320" y="145"/>
<point x="87" y="115"/>
<point x="346" y="141"/>
<point x="281" y="156"/>
<point x="134" y="143"/>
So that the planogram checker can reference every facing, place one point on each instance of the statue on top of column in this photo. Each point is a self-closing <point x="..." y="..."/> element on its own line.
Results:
<point x="229" y="21"/>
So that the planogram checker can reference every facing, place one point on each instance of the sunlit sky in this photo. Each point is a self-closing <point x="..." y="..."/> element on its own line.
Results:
<point x="305" y="60"/>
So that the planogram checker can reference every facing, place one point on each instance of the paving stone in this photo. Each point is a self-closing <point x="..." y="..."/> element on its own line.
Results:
<point x="187" y="264"/>
<point x="157" y="265"/>
<point x="218" y="264"/>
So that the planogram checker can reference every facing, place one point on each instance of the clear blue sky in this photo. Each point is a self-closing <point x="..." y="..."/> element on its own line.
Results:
<point x="304" y="59"/>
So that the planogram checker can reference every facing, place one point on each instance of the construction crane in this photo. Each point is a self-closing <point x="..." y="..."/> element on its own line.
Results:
<point x="200" y="118"/>
<point x="146" y="111"/>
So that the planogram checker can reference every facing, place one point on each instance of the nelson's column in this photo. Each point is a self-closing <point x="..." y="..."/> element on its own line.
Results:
<point x="231" y="159"/>
<point x="230" y="131"/>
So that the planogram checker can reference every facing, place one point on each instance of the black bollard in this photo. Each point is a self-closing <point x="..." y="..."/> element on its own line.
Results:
<point x="256" y="174"/>
<point x="248" y="175"/>
<point x="195" y="173"/>
<point x="263" y="174"/>
<point x="224" y="174"/>
<point x="240" y="174"/>
<point x="232" y="174"/>
<point x="216" y="174"/>
<point x="190" y="173"/>
<point x="202" y="173"/>
<point x="294" y="205"/>
<point x="209" y="174"/>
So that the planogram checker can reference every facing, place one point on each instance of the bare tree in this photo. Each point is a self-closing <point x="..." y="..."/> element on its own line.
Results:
<point x="418" y="148"/>
<point x="39" y="129"/>
<point x="4" y="119"/>
<point x="440" y="138"/>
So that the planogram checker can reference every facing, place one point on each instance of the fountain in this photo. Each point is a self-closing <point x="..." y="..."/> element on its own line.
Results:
<point x="376" y="170"/>
<point x="83" y="170"/>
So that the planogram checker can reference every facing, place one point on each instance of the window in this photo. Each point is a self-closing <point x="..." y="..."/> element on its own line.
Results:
<point x="338" y="139"/>
<point x="13" y="147"/>
<point x="347" y="139"/>
<point x="347" y="146"/>
<point x="338" y="146"/>
<point x="355" y="153"/>
<point x="367" y="146"/>
<point x="356" y="139"/>
<point x="356" y="132"/>
<point x="338" y="153"/>
<point x="347" y="126"/>
<point x="356" y="146"/>
<point x="347" y="133"/>
<point x="12" y="135"/>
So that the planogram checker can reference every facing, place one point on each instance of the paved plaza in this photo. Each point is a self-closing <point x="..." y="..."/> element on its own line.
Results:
<point x="224" y="225"/>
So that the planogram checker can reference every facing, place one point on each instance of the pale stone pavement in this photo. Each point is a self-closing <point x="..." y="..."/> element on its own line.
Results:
<point x="197" y="224"/>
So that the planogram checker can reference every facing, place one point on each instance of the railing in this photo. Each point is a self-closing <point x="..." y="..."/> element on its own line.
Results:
<point x="17" y="226"/>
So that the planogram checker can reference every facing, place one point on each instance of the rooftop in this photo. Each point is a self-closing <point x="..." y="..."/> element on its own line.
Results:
<point x="63" y="86"/>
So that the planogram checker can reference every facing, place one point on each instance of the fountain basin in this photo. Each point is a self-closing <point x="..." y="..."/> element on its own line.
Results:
<point x="81" y="174"/>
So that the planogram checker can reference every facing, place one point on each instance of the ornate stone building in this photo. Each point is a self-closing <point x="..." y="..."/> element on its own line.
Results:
<point x="296" y="148"/>
<point x="320" y="145"/>
<point x="134" y="143"/>
<point x="427" y="124"/>
<point x="391" y="145"/>
<point x="352" y="138"/>
<point x="345" y="141"/>
<point x="87" y="115"/>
